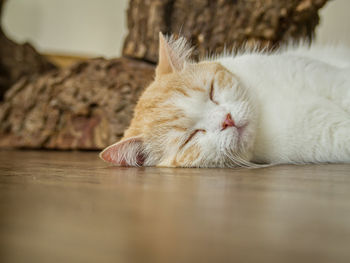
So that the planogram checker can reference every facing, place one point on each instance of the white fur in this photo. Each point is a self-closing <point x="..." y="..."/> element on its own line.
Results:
<point x="302" y="100"/>
<point x="292" y="106"/>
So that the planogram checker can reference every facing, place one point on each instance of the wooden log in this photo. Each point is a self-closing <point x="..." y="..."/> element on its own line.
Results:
<point x="212" y="25"/>
<point x="86" y="106"/>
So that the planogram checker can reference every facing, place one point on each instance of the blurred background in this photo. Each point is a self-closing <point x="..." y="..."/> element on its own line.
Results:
<point x="53" y="96"/>
<point x="98" y="27"/>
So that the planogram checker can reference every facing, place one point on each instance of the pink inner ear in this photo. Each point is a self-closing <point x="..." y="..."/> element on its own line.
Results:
<point x="109" y="154"/>
<point x="124" y="153"/>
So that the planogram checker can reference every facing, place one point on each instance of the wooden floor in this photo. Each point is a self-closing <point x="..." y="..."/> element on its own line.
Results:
<point x="72" y="207"/>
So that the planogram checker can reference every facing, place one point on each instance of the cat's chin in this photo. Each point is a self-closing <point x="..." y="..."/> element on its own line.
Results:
<point x="238" y="135"/>
<point x="243" y="143"/>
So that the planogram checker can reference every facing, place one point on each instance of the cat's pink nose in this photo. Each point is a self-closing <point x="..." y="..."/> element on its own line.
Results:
<point x="228" y="122"/>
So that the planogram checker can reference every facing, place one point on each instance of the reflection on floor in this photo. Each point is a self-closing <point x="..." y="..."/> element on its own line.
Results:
<point x="72" y="207"/>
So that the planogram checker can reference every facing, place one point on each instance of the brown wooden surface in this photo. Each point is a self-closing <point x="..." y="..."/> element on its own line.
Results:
<point x="65" y="60"/>
<point x="72" y="207"/>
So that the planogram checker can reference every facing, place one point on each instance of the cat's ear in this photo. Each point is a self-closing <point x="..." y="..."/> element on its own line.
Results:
<point x="172" y="54"/>
<point x="128" y="152"/>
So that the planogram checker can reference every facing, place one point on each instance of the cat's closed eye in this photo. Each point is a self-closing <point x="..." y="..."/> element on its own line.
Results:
<point x="192" y="135"/>
<point x="211" y="93"/>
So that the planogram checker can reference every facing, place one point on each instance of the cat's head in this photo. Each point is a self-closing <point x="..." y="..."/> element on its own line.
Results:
<point x="192" y="115"/>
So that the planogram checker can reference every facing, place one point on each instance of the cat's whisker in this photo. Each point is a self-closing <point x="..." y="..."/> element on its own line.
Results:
<point x="252" y="165"/>
<point x="235" y="160"/>
<point x="234" y="157"/>
<point x="245" y="162"/>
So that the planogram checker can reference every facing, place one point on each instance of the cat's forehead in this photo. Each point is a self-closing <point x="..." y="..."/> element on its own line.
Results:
<point x="205" y="72"/>
<point x="204" y="65"/>
<point x="194" y="75"/>
<point x="203" y="69"/>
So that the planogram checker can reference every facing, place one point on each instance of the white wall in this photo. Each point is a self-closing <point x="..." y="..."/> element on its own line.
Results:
<point x="85" y="27"/>
<point x="335" y="23"/>
<point x="97" y="27"/>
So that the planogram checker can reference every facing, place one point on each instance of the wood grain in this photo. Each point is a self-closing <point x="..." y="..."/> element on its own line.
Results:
<point x="72" y="207"/>
<point x="65" y="60"/>
<point x="85" y="106"/>
<point x="214" y="26"/>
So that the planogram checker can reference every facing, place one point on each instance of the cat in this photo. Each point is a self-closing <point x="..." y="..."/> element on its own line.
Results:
<point x="247" y="109"/>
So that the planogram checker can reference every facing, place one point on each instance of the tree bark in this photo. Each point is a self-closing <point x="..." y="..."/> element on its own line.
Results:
<point x="18" y="60"/>
<point x="213" y="25"/>
<point x="86" y="106"/>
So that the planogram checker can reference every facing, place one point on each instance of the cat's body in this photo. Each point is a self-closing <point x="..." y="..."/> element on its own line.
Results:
<point x="292" y="106"/>
<point x="302" y="96"/>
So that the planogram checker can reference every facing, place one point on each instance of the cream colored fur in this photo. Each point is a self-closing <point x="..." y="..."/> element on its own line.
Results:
<point x="291" y="106"/>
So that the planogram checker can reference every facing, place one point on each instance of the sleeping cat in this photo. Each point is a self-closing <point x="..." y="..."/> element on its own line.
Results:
<point x="246" y="109"/>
